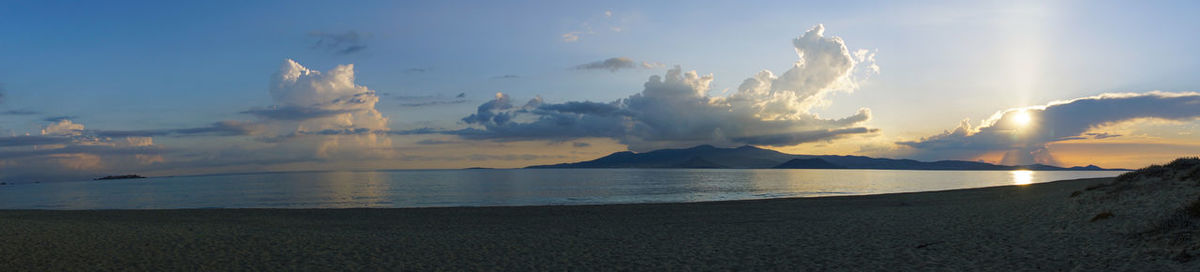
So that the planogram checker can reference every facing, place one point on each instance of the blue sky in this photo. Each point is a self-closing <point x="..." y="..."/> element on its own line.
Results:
<point x="154" y="65"/>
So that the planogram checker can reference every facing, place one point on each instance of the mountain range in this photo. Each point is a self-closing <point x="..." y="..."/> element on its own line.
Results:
<point x="749" y="157"/>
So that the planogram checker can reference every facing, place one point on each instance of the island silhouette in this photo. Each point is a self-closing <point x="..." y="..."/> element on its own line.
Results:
<point x="750" y="157"/>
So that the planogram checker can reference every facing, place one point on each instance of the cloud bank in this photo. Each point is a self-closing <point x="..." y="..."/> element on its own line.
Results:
<point x="675" y="109"/>
<point x="1024" y="132"/>
<point x="223" y="128"/>
<point x="66" y="150"/>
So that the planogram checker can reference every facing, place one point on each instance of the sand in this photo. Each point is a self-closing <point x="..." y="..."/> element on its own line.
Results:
<point x="1032" y="227"/>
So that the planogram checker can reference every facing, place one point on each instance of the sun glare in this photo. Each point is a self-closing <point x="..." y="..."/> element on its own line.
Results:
<point x="1022" y="177"/>
<point x="1022" y="118"/>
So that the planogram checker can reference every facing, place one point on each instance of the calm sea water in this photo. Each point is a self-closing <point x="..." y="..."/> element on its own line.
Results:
<point x="434" y="188"/>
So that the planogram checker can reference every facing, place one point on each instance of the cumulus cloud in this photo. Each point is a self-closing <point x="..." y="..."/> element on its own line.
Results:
<point x="66" y="150"/>
<point x="316" y="116"/>
<point x="1022" y="133"/>
<point x="63" y="128"/>
<point x="310" y="101"/>
<point x="675" y="109"/>
<point x="618" y="63"/>
<point x="328" y="100"/>
<point x="344" y="43"/>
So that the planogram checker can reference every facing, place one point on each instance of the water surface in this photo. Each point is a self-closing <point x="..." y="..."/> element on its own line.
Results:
<point x="507" y="187"/>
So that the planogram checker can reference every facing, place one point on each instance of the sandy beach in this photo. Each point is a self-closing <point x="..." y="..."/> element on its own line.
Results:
<point x="1033" y="227"/>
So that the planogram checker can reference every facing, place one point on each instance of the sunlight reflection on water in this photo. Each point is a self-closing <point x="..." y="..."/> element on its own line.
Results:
<point x="1022" y="177"/>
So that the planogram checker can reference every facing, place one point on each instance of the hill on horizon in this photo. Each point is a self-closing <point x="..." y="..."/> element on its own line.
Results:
<point x="750" y="157"/>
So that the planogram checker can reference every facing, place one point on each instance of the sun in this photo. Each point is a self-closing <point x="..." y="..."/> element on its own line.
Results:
<point x="1022" y="118"/>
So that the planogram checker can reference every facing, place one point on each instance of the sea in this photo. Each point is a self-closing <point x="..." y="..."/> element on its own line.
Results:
<point x="497" y="187"/>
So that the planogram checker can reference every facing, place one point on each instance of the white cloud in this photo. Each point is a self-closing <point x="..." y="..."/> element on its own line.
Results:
<point x="1025" y="141"/>
<point x="63" y="127"/>
<point x="317" y="116"/>
<point x="295" y="86"/>
<point x="342" y="106"/>
<point x="571" y="36"/>
<point x="65" y="150"/>
<point x="675" y="109"/>
<point x="652" y="65"/>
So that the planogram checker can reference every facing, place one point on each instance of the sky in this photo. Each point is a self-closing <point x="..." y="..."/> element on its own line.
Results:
<point x="178" y="88"/>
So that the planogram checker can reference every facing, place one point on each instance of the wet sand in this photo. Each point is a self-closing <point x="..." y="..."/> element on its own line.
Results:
<point x="1030" y="227"/>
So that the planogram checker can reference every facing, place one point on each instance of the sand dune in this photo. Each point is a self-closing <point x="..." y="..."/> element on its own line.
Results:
<point x="1045" y="227"/>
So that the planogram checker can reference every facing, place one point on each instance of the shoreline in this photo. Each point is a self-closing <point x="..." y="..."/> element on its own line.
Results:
<point x="997" y="228"/>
